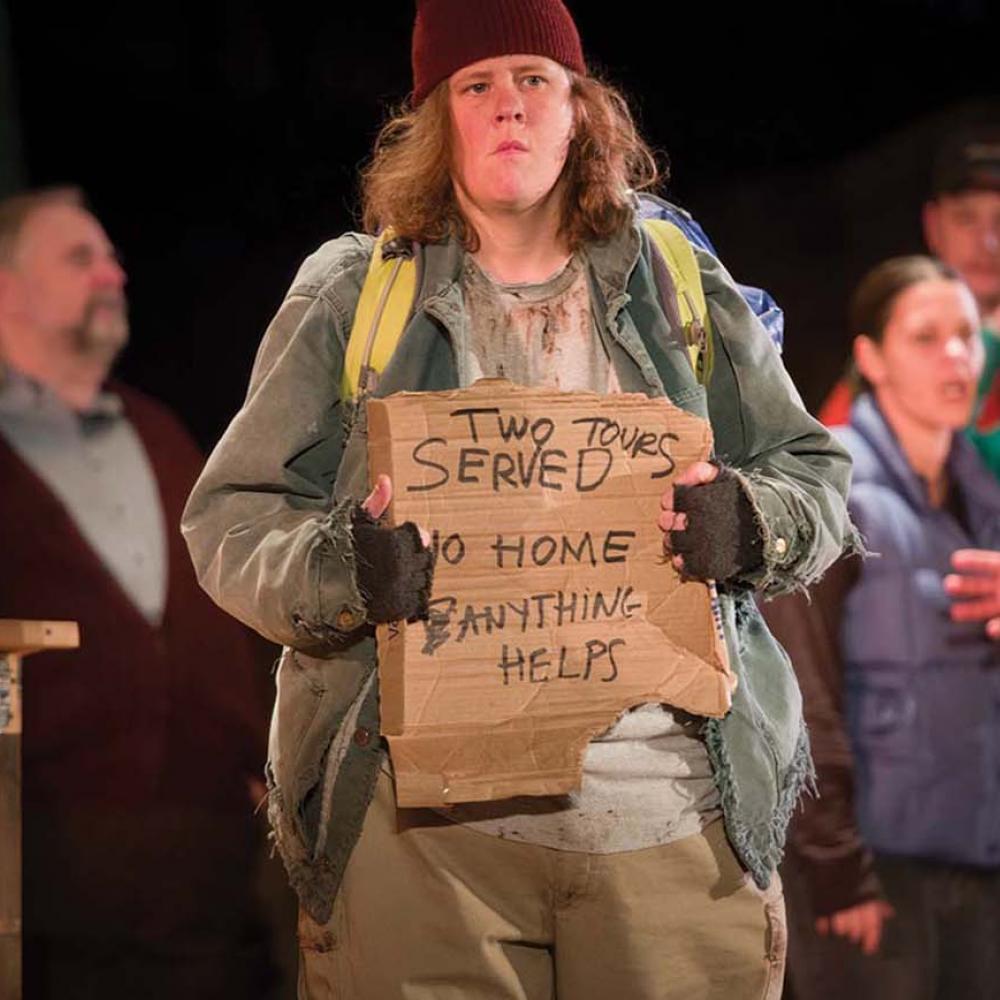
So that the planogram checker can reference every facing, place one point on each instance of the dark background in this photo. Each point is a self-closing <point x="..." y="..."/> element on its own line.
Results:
<point x="219" y="144"/>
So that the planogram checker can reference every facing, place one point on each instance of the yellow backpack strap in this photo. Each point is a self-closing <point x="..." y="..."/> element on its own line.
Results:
<point x="380" y="317"/>
<point x="678" y="255"/>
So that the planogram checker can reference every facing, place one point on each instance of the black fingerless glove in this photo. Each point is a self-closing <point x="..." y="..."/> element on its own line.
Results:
<point x="722" y="539"/>
<point x="394" y="569"/>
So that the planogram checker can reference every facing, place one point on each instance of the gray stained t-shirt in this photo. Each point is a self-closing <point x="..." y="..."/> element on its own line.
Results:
<point x="647" y="780"/>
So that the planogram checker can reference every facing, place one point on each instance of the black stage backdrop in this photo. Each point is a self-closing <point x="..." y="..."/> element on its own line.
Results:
<point x="219" y="143"/>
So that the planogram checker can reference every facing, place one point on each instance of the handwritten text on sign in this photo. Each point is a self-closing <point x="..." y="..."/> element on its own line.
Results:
<point x="553" y="608"/>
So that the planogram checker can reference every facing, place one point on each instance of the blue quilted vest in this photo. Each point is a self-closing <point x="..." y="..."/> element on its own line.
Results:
<point x="922" y="692"/>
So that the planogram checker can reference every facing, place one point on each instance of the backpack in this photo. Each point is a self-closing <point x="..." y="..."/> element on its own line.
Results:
<point x="770" y="314"/>
<point x="390" y="287"/>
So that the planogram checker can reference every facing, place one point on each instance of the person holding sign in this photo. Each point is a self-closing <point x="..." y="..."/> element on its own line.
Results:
<point x="509" y="179"/>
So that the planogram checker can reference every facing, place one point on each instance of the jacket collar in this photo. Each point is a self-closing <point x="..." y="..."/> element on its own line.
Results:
<point x="611" y="263"/>
<point x="26" y="398"/>
<point x="868" y="421"/>
<point x="965" y="468"/>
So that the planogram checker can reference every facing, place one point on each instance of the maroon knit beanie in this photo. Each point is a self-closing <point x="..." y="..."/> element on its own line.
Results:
<point x="450" y="34"/>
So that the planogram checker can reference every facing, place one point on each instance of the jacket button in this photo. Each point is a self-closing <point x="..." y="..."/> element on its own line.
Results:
<point x="362" y="736"/>
<point x="347" y="620"/>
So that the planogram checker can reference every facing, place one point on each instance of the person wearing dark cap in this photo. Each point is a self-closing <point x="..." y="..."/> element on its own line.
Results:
<point x="961" y="223"/>
<point x="510" y="178"/>
<point x="962" y="228"/>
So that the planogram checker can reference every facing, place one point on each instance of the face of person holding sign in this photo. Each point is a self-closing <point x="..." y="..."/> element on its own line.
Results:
<point x="512" y="119"/>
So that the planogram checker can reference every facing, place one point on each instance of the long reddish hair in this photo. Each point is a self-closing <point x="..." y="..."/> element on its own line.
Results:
<point x="408" y="185"/>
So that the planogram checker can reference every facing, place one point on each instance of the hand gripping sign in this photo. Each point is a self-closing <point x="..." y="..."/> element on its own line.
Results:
<point x="554" y="609"/>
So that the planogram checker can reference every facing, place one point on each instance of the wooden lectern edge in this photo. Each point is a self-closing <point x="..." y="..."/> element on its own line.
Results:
<point x="21" y="637"/>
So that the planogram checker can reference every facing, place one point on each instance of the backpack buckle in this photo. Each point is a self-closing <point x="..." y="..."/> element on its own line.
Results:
<point x="398" y="246"/>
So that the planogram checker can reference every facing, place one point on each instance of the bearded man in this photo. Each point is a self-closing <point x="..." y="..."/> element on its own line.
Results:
<point x="141" y="749"/>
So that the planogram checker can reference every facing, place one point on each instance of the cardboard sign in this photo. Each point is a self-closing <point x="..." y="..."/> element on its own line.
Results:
<point x="554" y="609"/>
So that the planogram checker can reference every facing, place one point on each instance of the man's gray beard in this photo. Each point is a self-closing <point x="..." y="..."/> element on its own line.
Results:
<point x="103" y="330"/>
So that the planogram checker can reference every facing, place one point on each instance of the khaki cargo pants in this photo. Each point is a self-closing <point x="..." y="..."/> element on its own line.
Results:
<point x="430" y="910"/>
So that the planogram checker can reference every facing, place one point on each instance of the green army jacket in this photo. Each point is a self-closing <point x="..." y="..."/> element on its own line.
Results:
<point x="268" y="529"/>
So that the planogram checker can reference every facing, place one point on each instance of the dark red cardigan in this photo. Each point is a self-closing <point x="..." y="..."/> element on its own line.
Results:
<point x="173" y="714"/>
